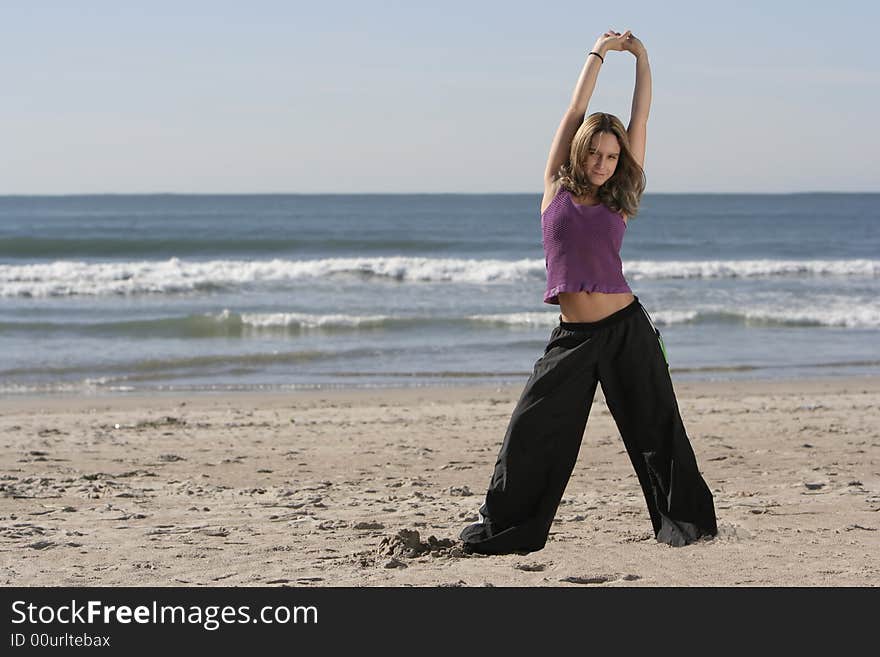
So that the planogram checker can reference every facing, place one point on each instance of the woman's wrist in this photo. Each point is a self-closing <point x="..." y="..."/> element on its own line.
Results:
<point x="601" y="48"/>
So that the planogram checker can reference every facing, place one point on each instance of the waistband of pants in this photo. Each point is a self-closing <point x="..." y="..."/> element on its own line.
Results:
<point x="613" y="318"/>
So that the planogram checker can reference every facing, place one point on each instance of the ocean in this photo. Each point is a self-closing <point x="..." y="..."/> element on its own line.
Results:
<point x="118" y="293"/>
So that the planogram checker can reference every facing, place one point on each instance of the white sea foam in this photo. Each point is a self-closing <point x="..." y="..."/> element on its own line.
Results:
<point x="843" y="315"/>
<point x="519" y="319"/>
<point x="654" y="269"/>
<point x="863" y="314"/>
<point x="669" y="317"/>
<point x="307" y="321"/>
<point x="88" y="385"/>
<point x="66" y="278"/>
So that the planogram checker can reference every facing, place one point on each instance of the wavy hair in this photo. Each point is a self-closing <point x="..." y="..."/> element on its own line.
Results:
<point x="622" y="192"/>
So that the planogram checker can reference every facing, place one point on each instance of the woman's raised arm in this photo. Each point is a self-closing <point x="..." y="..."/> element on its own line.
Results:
<point x="641" y="103"/>
<point x="580" y="99"/>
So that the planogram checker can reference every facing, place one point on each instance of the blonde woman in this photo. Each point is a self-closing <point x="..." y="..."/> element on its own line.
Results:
<point x="593" y="184"/>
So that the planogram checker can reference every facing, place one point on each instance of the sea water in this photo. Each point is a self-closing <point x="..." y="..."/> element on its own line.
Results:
<point x="198" y="292"/>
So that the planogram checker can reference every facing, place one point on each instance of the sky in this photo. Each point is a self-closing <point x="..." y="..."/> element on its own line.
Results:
<point x="427" y="97"/>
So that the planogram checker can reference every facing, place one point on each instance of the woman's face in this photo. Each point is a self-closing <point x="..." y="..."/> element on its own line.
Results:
<point x="602" y="158"/>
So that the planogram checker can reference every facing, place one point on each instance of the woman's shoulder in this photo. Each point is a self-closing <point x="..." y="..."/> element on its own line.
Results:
<point x="552" y="189"/>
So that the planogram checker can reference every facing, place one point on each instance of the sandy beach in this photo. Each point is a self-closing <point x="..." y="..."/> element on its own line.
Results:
<point x="371" y="487"/>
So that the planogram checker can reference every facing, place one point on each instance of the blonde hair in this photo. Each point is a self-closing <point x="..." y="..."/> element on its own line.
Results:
<point x="622" y="192"/>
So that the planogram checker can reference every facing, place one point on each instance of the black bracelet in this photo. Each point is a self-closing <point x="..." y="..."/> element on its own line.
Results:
<point x="597" y="55"/>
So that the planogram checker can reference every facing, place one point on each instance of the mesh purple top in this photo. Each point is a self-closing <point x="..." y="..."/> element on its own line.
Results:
<point x="581" y="248"/>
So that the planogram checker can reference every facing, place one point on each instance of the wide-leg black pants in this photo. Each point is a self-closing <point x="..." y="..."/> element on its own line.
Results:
<point x="625" y="353"/>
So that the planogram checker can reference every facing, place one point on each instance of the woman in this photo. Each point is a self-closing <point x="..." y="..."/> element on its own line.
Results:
<point x="592" y="187"/>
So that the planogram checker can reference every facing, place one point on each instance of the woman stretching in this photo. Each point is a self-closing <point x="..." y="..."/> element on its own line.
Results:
<point x="593" y="184"/>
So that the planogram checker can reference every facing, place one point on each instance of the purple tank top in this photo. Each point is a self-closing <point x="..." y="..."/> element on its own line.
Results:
<point x="581" y="248"/>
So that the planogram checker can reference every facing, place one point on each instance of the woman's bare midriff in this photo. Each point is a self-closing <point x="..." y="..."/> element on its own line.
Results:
<point x="591" y="306"/>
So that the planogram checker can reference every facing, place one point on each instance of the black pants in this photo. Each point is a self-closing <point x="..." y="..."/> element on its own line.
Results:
<point x="624" y="352"/>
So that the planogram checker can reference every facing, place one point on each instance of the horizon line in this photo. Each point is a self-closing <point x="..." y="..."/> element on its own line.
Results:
<point x="85" y="194"/>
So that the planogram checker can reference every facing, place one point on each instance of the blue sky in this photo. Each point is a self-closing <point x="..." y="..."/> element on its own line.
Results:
<point x="388" y="97"/>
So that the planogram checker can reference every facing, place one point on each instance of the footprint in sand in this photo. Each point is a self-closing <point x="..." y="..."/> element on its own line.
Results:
<point x="408" y="543"/>
<point x="732" y="533"/>
<point x="592" y="579"/>
<point x="599" y="579"/>
<point x="531" y="567"/>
